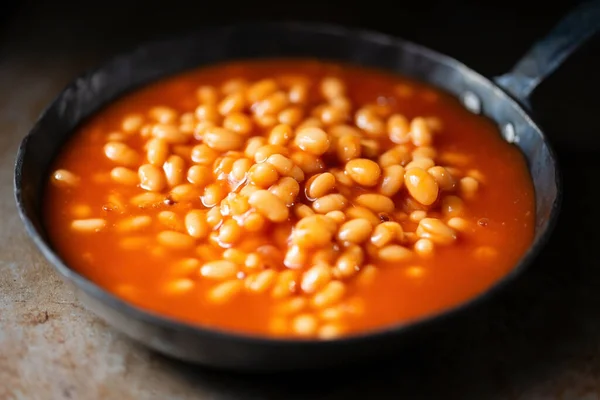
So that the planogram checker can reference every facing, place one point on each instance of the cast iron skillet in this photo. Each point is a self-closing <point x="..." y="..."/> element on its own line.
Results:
<point x="504" y="99"/>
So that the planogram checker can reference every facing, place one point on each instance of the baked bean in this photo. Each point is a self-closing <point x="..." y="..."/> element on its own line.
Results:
<point x="146" y="200"/>
<point x="307" y="162"/>
<point x="151" y="178"/>
<point x="273" y="104"/>
<point x="442" y="177"/>
<point x="349" y="262"/>
<point x="370" y="148"/>
<point x="363" y="171"/>
<point x="337" y="216"/>
<point x="285" y="284"/>
<point x="290" y="116"/>
<point x="214" y="217"/>
<point x="330" y="331"/>
<point x="64" y="178"/>
<point x="417" y="215"/>
<point x="313" y="231"/>
<point x="262" y="153"/>
<point x="175" y="240"/>
<point x="116" y="137"/>
<point x="262" y="281"/>
<point x="226" y="291"/>
<point x="355" y="231"/>
<point x="424" y="152"/>
<point x="202" y="154"/>
<point x="330" y="202"/>
<point x="369" y="122"/>
<point x="171" y="220"/>
<point x="196" y="225"/>
<point x="421" y="186"/>
<point x="207" y="94"/>
<point x="423" y="163"/>
<point x="132" y="123"/>
<point x="232" y="103"/>
<point x="163" y="114"/>
<point x="240" y="168"/>
<point x="88" y="225"/>
<point x="460" y="224"/>
<point x="266" y="121"/>
<point x="375" y="202"/>
<point x="424" y="247"/>
<point x="213" y="194"/>
<point x="269" y="205"/>
<point x="395" y="156"/>
<point x="312" y="140"/>
<point x="420" y="133"/>
<point x="280" y="135"/>
<point x="362" y="212"/>
<point x="121" y="154"/>
<point x="200" y="129"/>
<point x="302" y="211"/>
<point x="157" y="151"/>
<point x="199" y="175"/>
<point x="392" y="180"/>
<point x="170" y="134"/>
<point x="394" y="253"/>
<point x="329" y="295"/>
<point x="262" y="175"/>
<point x="366" y="275"/>
<point x="174" y="169"/>
<point x="436" y="231"/>
<point x="386" y="232"/>
<point x="261" y="89"/>
<point x="234" y="85"/>
<point x="238" y="123"/>
<point x="348" y="148"/>
<point x="222" y="139"/>
<point x="184" y="192"/>
<point x="230" y="232"/>
<point x="452" y="206"/>
<point x="331" y="115"/>
<point x="291" y="306"/>
<point x="298" y="94"/>
<point x="281" y="163"/>
<point x="178" y="286"/>
<point x="133" y="224"/>
<point x="454" y="159"/>
<point x="468" y="187"/>
<point x="207" y="112"/>
<point x="310" y="123"/>
<point x="286" y="189"/>
<point x="305" y="325"/>
<point x="219" y="270"/>
<point x="332" y="88"/>
<point x="315" y="278"/>
<point x="320" y="185"/>
<point x="398" y="129"/>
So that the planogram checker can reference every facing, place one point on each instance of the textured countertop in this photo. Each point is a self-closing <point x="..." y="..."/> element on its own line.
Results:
<point x="539" y="340"/>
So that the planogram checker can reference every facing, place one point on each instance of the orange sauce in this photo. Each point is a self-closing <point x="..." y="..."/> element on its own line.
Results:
<point x="501" y="215"/>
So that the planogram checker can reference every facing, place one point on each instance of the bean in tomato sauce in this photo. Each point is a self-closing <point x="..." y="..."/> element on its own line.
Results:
<point x="290" y="198"/>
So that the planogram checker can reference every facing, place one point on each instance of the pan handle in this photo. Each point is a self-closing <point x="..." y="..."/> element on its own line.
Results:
<point x="545" y="56"/>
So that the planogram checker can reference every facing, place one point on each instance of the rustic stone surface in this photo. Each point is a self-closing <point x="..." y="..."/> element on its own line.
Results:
<point x="540" y="340"/>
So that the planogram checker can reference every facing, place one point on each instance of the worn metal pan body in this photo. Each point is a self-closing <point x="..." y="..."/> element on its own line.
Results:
<point x="504" y="102"/>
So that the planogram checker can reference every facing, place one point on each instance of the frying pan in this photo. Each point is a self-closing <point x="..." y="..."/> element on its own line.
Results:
<point x="503" y="99"/>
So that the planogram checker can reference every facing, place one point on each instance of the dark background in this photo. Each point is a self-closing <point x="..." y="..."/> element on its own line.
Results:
<point x="549" y="322"/>
<point x="489" y="36"/>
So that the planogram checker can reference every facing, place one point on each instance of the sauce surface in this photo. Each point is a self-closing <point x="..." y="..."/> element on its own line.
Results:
<point x="498" y="219"/>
